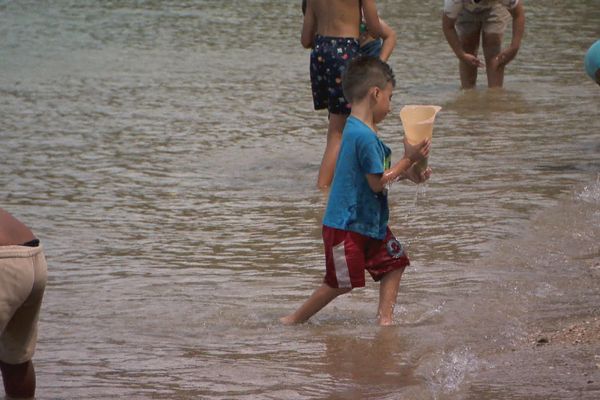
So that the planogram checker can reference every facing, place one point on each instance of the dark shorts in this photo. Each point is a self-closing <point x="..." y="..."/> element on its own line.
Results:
<point x="372" y="49"/>
<point x="328" y="61"/>
<point x="348" y="254"/>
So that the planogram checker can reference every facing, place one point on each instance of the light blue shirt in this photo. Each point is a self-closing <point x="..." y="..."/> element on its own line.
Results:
<point x="352" y="205"/>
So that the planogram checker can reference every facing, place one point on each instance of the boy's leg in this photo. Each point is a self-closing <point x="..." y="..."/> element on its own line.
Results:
<point x="468" y="72"/>
<point x="388" y="292"/>
<point x="492" y="46"/>
<point x="319" y="299"/>
<point x="19" y="379"/>
<point x="334" y="139"/>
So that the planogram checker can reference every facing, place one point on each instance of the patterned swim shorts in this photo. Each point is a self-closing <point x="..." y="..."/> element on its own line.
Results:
<point x="328" y="61"/>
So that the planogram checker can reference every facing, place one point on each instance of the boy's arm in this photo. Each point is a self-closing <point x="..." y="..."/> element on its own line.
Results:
<point x="309" y="27"/>
<point x="389" y="41"/>
<point x="518" y="29"/>
<point x="412" y="154"/>
<point x="454" y="42"/>
<point x="369" y="10"/>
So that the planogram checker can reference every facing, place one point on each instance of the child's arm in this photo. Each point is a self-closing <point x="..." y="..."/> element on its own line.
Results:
<point x="412" y="154"/>
<point x="454" y="42"/>
<point x="389" y="41"/>
<point x="369" y="10"/>
<point x="309" y="27"/>
<point x="518" y="29"/>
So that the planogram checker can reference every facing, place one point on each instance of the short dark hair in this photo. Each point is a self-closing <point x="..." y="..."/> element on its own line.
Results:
<point x="363" y="73"/>
<point x="303" y="7"/>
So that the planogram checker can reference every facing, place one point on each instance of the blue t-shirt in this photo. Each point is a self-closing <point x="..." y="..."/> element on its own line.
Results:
<point x="352" y="205"/>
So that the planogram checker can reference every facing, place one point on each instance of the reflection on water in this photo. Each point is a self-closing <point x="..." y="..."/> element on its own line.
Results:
<point x="166" y="153"/>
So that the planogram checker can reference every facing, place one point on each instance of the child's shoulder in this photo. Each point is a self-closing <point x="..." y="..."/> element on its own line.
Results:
<point x="358" y="132"/>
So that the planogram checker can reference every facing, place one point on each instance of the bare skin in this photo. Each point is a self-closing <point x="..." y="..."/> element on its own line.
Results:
<point x="336" y="18"/>
<point x="13" y="231"/>
<point x="371" y="110"/>
<point x="466" y="48"/>
<point x="19" y="379"/>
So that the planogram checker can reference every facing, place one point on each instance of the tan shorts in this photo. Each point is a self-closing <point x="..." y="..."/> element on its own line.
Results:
<point x="23" y="275"/>
<point x="493" y="20"/>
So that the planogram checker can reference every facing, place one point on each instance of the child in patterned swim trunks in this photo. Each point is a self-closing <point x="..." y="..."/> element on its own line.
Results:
<point x="331" y="29"/>
<point x="464" y="22"/>
<point x="356" y="235"/>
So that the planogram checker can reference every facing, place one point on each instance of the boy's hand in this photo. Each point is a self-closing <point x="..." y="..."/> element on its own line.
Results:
<point x="504" y="57"/>
<point x="417" y="152"/>
<point x="472" y="60"/>
<point x="413" y="174"/>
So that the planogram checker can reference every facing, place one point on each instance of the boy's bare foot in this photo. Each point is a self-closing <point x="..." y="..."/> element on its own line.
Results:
<point x="386" y="322"/>
<point x="287" y="320"/>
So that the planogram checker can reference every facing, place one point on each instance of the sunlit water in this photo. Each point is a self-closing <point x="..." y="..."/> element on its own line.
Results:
<point x="166" y="154"/>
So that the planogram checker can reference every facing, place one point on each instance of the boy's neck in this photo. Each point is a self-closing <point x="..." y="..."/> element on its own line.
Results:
<point x="363" y="112"/>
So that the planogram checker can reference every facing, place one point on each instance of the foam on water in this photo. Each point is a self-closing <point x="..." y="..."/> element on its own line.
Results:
<point x="590" y="193"/>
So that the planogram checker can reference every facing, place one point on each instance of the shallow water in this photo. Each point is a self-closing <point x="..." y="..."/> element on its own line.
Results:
<point x="166" y="154"/>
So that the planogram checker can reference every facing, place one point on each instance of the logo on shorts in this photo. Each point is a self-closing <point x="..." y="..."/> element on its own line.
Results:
<point x="394" y="248"/>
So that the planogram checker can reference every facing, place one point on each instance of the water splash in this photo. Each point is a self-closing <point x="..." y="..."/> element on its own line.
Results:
<point x="590" y="193"/>
<point x="453" y="368"/>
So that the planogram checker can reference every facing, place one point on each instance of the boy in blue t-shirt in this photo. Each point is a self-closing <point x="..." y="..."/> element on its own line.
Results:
<point x="355" y="231"/>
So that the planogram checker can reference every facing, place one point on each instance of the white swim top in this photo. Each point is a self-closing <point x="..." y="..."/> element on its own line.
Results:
<point x="453" y="7"/>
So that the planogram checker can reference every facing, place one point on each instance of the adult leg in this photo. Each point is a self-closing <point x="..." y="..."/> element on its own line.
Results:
<point x="388" y="292"/>
<point x="319" y="299"/>
<point x="19" y="379"/>
<point x="492" y="46"/>
<point x="334" y="139"/>
<point x="468" y="72"/>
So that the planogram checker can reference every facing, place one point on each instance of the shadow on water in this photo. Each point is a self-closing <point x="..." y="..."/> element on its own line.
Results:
<point x="481" y="103"/>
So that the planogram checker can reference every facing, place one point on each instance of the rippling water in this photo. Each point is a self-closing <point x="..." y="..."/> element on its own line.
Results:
<point x="166" y="154"/>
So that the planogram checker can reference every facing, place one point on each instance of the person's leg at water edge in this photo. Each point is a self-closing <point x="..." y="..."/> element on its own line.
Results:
<point x="322" y="296"/>
<point x="19" y="380"/>
<point x="332" y="148"/>
<point x="388" y="294"/>
<point x="386" y="262"/>
<point x="469" y="41"/>
<point x="493" y="26"/>
<point x="492" y="45"/>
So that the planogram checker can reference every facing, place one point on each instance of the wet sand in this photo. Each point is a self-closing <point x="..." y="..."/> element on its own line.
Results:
<point x="571" y="332"/>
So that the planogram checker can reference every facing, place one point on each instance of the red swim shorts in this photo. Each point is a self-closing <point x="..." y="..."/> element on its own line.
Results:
<point x="348" y="254"/>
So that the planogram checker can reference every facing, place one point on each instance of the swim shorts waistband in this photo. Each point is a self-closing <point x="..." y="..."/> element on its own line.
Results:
<point x="16" y="251"/>
<point x="336" y="38"/>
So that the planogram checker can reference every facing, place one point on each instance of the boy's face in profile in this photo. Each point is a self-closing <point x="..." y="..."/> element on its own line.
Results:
<point x="383" y="101"/>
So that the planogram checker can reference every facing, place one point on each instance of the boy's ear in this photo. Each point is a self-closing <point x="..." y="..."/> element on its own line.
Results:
<point x="375" y="92"/>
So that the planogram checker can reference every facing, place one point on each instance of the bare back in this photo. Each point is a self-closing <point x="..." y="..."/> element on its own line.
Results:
<point x="337" y="18"/>
<point x="13" y="231"/>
